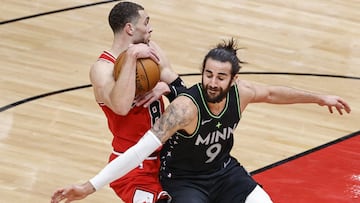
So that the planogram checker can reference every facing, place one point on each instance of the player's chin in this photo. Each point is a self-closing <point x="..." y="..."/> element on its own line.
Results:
<point x="212" y="94"/>
<point x="147" y="40"/>
<point x="210" y="97"/>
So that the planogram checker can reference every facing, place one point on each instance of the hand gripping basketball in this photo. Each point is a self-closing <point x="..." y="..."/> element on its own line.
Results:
<point x="147" y="73"/>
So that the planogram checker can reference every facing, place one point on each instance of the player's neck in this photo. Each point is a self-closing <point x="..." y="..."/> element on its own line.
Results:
<point x="217" y="108"/>
<point x="120" y="44"/>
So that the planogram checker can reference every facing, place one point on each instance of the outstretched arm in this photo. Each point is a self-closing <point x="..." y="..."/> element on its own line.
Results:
<point x="73" y="192"/>
<point x="254" y="93"/>
<point x="117" y="168"/>
<point x="180" y="114"/>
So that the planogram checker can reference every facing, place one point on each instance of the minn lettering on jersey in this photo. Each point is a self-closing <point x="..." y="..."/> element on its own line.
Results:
<point x="215" y="136"/>
<point x="214" y="141"/>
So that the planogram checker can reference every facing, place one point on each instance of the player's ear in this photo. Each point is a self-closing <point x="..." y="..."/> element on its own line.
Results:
<point x="129" y="28"/>
<point x="233" y="80"/>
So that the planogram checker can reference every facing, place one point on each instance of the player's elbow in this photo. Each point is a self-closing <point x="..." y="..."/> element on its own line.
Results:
<point x="121" y="113"/>
<point x="121" y="109"/>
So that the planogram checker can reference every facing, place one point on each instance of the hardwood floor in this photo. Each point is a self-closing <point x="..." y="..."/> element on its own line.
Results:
<point x="48" y="142"/>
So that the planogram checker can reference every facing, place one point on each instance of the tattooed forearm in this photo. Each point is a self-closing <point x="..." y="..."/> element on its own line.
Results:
<point x="176" y="117"/>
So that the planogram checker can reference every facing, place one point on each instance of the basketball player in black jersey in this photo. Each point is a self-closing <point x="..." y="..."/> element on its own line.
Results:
<point x="196" y="131"/>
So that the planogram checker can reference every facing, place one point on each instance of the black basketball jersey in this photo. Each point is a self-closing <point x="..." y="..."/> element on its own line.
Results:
<point x="207" y="150"/>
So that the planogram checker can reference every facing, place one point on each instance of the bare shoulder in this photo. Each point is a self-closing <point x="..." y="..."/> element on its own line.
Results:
<point x="247" y="92"/>
<point x="184" y="107"/>
<point x="102" y="65"/>
<point x="101" y="71"/>
<point x="244" y="85"/>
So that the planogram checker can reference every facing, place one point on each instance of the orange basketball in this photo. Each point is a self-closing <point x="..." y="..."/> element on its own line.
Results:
<point x="147" y="73"/>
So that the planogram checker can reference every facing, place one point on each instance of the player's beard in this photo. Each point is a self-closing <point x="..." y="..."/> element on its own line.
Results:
<point x="221" y="93"/>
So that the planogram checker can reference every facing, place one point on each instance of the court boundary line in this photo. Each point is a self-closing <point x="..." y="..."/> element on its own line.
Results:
<point x="9" y="106"/>
<point x="56" y="11"/>
<point x="14" y="104"/>
<point x="318" y="148"/>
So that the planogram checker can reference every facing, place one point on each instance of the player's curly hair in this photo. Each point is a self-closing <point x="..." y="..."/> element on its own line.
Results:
<point x="226" y="51"/>
<point x="122" y="13"/>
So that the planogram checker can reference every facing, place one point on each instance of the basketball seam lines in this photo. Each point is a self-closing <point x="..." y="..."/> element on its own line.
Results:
<point x="147" y="78"/>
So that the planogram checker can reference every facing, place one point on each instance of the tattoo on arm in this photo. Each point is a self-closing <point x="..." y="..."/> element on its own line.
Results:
<point x="175" y="118"/>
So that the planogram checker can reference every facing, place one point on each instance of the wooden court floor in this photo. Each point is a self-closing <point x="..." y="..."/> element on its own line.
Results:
<point x="50" y="141"/>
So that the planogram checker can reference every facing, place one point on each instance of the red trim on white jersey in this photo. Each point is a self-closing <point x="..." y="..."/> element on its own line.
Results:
<point x="108" y="56"/>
